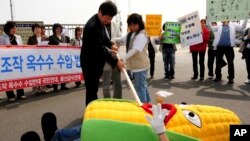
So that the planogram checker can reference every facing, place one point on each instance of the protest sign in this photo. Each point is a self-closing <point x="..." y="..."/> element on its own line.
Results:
<point x="153" y="25"/>
<point x="219" y="10"/>
<point x="191" y="32"/>
<point x="171" y="33"/>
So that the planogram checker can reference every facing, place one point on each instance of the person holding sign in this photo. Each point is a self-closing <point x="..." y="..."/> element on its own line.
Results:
<point x="168" y="54"/>
<point x="10" y="38"/>
<point x="200" y="49"/>
<point x="77" y="41"/>
<point x="225" y="41"/>
<point x="58" y="39"/>
<point x="212" y="54"/>
<point x="35" y="40"/>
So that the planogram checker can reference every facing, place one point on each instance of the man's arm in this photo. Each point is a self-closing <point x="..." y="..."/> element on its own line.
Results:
<point x="120" y="40"/>
<point x="139" y="44"/>
<point x="212" y="28"/>
<point x="242" y="27"/>
<point x="163" y="137"/>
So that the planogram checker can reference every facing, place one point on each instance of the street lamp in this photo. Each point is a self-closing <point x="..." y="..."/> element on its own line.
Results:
<point x="129" y="7"/>
<point x="11" y="10"/>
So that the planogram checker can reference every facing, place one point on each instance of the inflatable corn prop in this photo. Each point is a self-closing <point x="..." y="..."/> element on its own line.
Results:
<point x="208" y="123"/>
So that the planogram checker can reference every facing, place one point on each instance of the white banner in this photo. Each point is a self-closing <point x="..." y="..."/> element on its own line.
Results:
<point x="219" y="10"/>
<point x="27" y="66"/>
<point x="191" y="32"/>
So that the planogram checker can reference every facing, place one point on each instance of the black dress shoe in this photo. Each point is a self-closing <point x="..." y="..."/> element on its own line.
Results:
<point x="194" y="77"/>
<point x="55" y="90"/>
<point x="231" y="81"/>
<point x="64" y="88"/>
<point x="37" y="93"/>
<point x="172" y="77"/>
<point x="201" y="79"/>
<point x="43" y="92"/>
<point x="49" y="86"/>
<point x="77" y="86"/>
<point x="217" y="79"/>
<point x="166" y="77"/>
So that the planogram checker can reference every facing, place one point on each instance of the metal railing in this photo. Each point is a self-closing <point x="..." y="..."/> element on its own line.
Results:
<point x="1" y="29"/>
<point x="70" y="29"/>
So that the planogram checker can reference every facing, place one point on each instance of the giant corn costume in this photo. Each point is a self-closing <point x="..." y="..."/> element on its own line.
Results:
<point x="207" y="123"/>
<point x="123" y="120"/>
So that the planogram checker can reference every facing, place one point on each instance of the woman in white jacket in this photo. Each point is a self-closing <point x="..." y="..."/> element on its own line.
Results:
<point x="137" y="57"/>
<point x="10" y="38"/>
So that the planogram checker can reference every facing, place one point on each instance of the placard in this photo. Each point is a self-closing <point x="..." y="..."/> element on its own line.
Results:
<point x="153" y="25"/>
<point x="191" y="32"/>
<point x="219" y="10"/>
<point x="171" y="33"/>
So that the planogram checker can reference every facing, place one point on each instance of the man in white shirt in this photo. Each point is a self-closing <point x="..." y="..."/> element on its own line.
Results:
<point x="224" y="42"/>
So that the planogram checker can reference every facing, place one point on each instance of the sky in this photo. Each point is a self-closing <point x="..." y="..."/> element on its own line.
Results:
<point x="79" y="11"/>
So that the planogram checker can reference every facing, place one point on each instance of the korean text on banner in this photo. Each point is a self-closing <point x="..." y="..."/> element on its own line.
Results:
<point x="153" y="25"/>
<point x="191" y="32"/>
<point x="29" y="66"/>
<point x="219" y="10"/>
<point x="171" y="33"/>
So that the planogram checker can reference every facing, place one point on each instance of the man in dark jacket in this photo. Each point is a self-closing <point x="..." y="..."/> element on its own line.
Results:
<point x="97" y="49"/>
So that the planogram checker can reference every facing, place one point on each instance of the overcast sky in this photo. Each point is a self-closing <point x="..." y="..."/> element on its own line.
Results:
<point x="78" y="11"/>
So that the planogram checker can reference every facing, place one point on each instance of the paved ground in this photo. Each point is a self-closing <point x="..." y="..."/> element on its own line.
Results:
<point x="21" y="116"/>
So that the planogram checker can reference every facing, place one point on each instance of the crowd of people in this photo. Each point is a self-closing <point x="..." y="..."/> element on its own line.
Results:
<point x="140" y="53"/>
<point x="102" y="40"/>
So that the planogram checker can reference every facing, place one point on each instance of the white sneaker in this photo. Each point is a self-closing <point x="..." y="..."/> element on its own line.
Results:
<point x="210" y="77"/>
<point x="247" y="81"/>
<point x="11" y="99"/>
<point x="23" y="97"/>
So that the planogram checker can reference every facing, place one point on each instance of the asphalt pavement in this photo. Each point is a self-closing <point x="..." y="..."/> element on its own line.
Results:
<point x="69" y="105"/>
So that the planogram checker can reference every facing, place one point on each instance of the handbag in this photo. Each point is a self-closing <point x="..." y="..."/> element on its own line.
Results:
<point x="242" y="46"/>
<point x="244" y="43"/>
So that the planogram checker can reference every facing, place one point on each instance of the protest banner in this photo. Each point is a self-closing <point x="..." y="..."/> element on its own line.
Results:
<point x="153" y="25"/>
<point x="171" y="33"/>
<point x="191" y="32"/>
<point x="29" y="66"/>
<point x="219" y="10"/>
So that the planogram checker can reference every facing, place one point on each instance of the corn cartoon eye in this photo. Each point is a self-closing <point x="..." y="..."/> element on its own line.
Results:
<point x="192" y="117"/>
